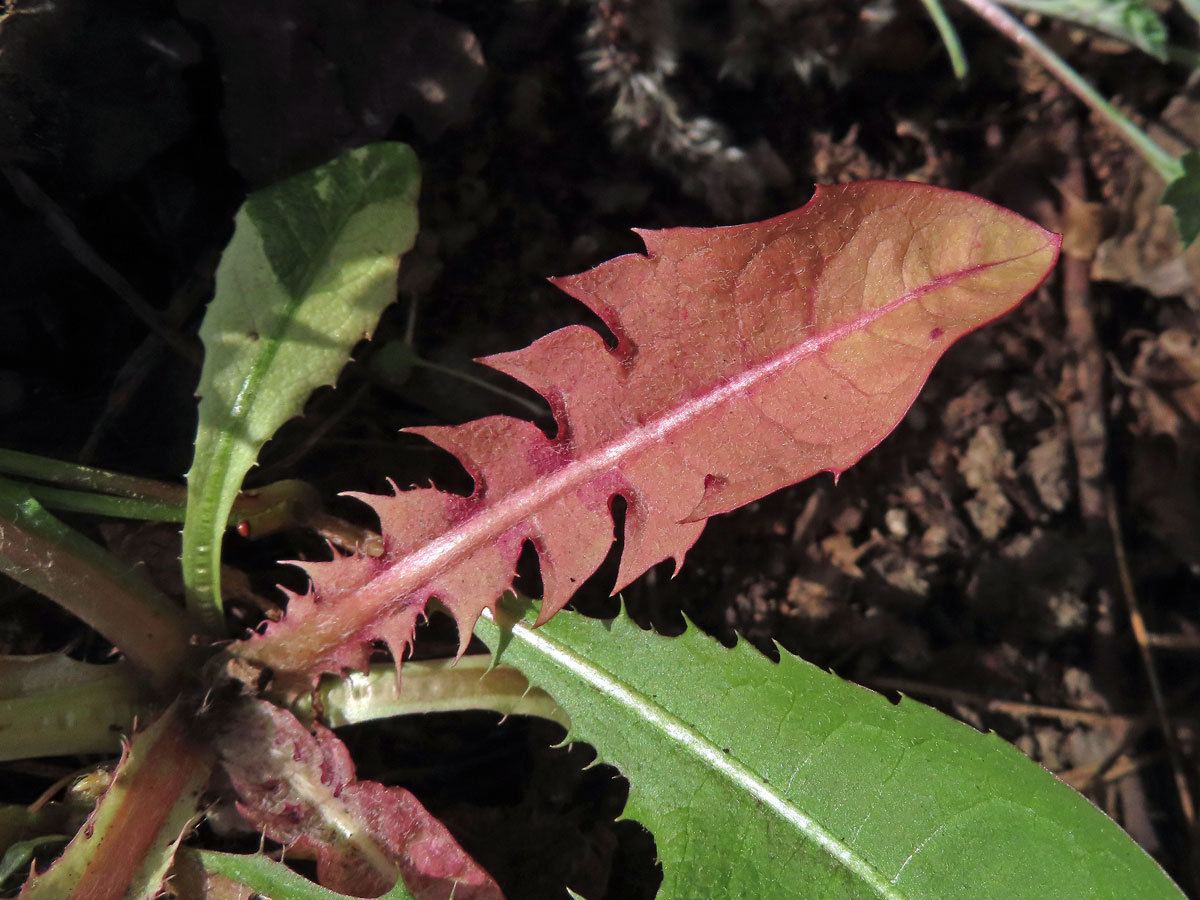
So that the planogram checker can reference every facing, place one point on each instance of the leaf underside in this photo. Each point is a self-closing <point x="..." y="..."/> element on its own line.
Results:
<point x="762" y="779"/>
<point x="748" y="358"/>
<point x="299" y="787"/>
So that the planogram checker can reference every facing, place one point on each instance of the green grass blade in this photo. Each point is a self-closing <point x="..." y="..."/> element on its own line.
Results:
<point x="1165" y="164"/>
<point x="87" y="478"/>
<point x="781" y="780"/>
<point x="311" y="265"/>
<point x="68" y="500"/>
<point x="1133" y="21"/>
<point x="945" y="28"/>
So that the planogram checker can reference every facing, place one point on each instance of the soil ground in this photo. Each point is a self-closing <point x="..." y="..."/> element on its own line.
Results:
<point x="983" y="559"/>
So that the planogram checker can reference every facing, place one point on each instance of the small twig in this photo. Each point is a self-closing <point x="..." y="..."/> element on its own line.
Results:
<point x="1122" y="376"/>
<point x="958" y="59"/>
<point x="534" y="409"/>
<point x="812" y="506"/>
<point x="1185" y="643"/>
<point x="1138" y="624"/>
<point x="345" y="535"/>
<point x="538" y="411"/>
<point x="1006" y="707"/>
<point x="142" y="361"/>
<point x="1126" y="739"/>
<point x="1085" y="377"/>
<point x="1084" y="778"/>
<point x="74" y="243"/>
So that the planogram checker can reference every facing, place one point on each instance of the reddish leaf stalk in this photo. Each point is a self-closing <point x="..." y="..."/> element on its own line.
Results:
<point x="144" y="810"/>
<point x="130" y="836"/>
<point x="45" y="555"/>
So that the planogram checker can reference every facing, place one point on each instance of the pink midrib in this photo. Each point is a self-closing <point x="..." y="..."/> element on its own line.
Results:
<point x="421" y="566"/>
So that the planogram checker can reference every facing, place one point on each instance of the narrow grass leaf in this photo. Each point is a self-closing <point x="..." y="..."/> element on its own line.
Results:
<point x="945" y="28"/>
<point x="46" y="555"/>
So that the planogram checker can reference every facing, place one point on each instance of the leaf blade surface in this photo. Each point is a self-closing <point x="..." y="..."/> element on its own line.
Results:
<point x="748" y="358"/>
<point x="762" y="779"/>
<point x="312" y="263"/>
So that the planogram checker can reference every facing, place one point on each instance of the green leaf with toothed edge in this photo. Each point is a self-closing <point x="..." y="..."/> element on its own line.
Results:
<point x="311" y="265"/>
<point x="762" y="779"/>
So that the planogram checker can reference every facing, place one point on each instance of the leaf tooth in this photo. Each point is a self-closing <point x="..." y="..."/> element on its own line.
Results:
<point x="654" y="522"/>
<point x="397" y="632"/>
<point x="334" y="576"/>
<point x="661" y="538"/>
<point x="478" y="583"/>
<point x="567" y="563"/>
<point x="606" y="289"/>
<point x="486" y="449"/>
<point x="554" y="364"/>
<point x="410" y="518"/>
<point x="465" y="616"/>
<point x="722" y="496"/>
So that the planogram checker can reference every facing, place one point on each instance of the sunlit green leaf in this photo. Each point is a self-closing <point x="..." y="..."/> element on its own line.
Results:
<point x="762" y="779"/>
<point x="311" y="265"/>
